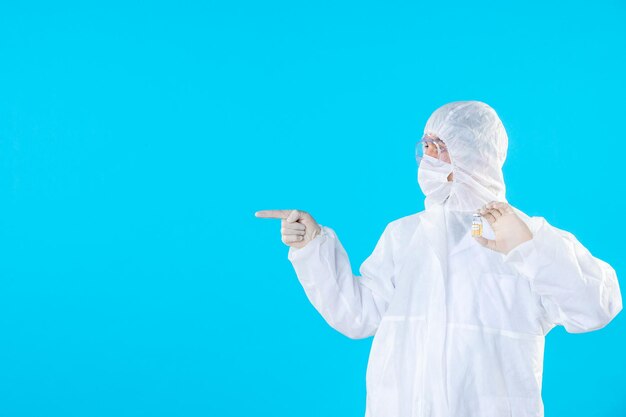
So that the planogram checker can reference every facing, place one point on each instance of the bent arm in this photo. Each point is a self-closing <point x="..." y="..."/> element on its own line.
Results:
<point x="578" y="290"/>
<point x="350" y="304"/>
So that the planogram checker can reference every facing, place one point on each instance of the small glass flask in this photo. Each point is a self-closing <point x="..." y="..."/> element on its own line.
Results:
<point x="477" y="224"/>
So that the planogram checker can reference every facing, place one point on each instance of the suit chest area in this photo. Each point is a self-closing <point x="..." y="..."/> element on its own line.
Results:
<point x="475" y="287"/>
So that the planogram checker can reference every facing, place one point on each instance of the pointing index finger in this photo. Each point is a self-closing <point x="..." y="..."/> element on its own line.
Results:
<point x="273" y="214"/>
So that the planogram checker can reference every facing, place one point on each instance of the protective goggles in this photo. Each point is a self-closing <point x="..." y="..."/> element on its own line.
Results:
<point x="432" y="146"/>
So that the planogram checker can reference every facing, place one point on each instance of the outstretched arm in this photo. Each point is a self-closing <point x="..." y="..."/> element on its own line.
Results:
<point x="352" y="305"/>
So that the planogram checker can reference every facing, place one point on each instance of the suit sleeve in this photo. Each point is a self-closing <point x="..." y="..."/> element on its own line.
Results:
<point x="577" y="290"/>
<point x="352" y="305"/>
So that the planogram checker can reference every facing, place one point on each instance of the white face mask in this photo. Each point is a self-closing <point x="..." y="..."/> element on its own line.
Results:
<point x="432" y="177"/>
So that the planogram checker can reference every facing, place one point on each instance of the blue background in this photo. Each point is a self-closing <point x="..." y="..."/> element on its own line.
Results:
<point x="137" y="139"/>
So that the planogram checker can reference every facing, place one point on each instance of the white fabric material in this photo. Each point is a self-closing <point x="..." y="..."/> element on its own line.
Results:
<point x="432" y="177"/>
<point x="458" y="328"/>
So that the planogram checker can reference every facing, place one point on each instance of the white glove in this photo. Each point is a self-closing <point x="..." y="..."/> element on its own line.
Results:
<point x="297" y="227"/>
<point x="509" y="230"/>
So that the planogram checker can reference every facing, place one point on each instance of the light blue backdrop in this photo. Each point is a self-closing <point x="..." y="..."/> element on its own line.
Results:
<point x="137" y="139"/>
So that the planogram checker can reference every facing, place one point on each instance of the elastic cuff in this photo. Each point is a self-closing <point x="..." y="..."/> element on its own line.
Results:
<point x="520" y="251"/>
<point x="529" y="257"/>
<point x="295" y="253"/>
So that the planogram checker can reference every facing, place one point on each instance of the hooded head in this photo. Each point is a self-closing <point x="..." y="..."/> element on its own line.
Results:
<point x="477" y="145"/>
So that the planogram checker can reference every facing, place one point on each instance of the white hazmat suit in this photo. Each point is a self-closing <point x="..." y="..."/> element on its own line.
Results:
<point x="458" y="328"/>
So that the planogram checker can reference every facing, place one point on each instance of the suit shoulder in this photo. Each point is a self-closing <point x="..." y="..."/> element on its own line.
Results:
<point x="538" y="223"/>
<point x="404" y="225"/>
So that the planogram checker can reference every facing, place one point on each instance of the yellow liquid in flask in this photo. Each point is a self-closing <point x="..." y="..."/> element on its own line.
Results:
<point x="477" y="225"/>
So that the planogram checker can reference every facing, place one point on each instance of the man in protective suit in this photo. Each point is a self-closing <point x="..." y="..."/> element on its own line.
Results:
<point x="459" y="320"/>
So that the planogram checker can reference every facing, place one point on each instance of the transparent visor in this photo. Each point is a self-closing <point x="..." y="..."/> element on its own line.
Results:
<point x="433" y="147"/>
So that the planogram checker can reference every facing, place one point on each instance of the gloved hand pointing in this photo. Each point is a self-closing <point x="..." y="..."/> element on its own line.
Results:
<point x="509" y="230"/>
<point x="297" y="227"/>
